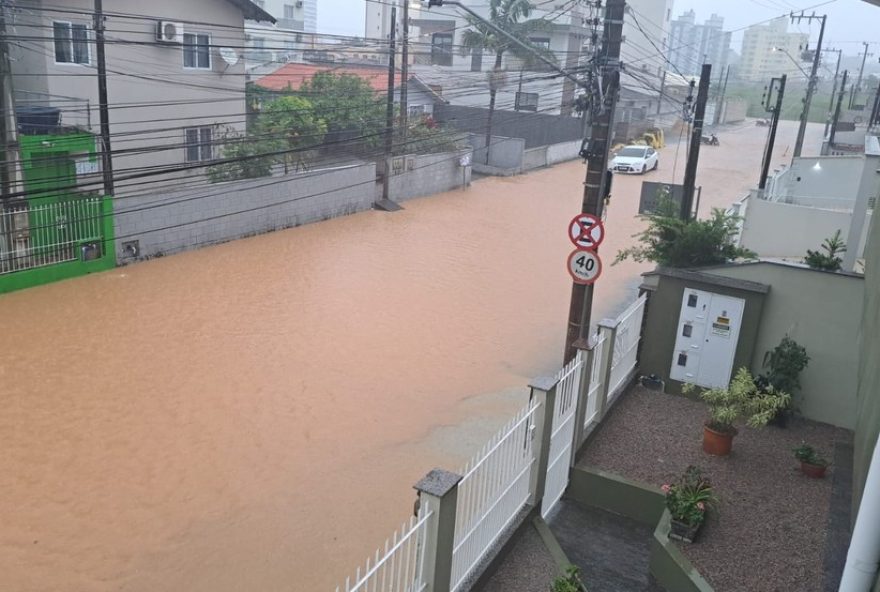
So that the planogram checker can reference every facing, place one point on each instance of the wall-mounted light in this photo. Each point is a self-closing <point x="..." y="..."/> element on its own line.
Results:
<point x="817" y="166"/>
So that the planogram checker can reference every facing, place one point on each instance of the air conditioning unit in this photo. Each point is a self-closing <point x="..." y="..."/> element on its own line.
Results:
<point x="299" y="3"/>
<point x="168" y="32"/>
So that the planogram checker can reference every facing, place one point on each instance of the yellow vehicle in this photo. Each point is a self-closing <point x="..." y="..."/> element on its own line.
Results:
<point x="654" y="138"/>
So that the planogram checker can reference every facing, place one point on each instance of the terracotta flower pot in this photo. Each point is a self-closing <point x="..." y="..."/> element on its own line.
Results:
<point x="717" y="443"/>
<point x="814" y="471"/>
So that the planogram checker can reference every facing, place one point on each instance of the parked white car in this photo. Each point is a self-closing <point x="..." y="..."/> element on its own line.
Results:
<point x="635" y="159"/>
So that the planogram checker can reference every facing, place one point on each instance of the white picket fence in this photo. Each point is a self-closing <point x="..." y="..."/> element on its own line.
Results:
<point x="562" y="435"/>
<point x="400" y="566"/>
<point x="495" y="487"/>
<point x="499" y="482"/>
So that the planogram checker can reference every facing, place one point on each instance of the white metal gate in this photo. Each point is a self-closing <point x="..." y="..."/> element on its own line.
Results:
<point x="562" y="435"/>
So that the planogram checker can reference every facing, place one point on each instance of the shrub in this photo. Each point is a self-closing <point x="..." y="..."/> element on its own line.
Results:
<point x="743" y="399"/>
<point x="828" y="261"/>
<point x="690" y="497"/>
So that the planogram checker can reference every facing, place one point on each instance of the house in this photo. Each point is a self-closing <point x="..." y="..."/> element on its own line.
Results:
<point x="175" y="84"/>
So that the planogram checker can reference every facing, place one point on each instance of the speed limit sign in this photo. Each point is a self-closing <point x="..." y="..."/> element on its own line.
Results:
<point x="585" y="267"/>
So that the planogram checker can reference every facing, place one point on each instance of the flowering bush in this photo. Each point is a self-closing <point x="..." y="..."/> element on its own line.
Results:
<point x="690" y="497"/>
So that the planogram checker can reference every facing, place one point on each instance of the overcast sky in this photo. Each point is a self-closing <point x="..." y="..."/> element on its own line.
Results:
<point x="849" y="21"/>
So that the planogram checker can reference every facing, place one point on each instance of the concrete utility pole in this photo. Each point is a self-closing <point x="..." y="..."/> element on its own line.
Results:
<point x="811" y="83"/>
<point x="596" y="153"/>
<point x="404" y="69"/>
<point x="389" y="107"/>
<point x="720" y="106"/>
<point x="690" y="171"/>
<point x="875" y="111"/>
<point x="8" y="132"/>
<point x="771" y="138"/>
<point x="837" y="111"/>
<point x="857" y="87"/>
<point x="106" y="152"/>
<point x="833" y="91"/>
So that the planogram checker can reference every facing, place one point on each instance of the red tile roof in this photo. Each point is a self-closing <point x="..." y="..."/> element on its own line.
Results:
<point x="292" y="76"/>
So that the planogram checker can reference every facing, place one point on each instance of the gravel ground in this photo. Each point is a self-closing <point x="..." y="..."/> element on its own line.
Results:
<point x="528" y="567"/>
<point x="768" y="533"/>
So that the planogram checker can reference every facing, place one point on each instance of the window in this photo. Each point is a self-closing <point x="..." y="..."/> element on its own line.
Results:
<point x="542" y="42"/>
<point x="196" y="51"/>
<point x="260" y="3"/>
<point x="289" y="11"/>
<point x="416" y="110"/>
<point x="199" y="144"/>
<point x="71" y="43"/>
<point x="441" y="49"/>
<point x="526" y="101"/>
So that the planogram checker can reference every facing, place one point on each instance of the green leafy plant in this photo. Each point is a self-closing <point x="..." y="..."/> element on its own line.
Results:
<point x="570" y="582"/>
<point x="689" y="498"/>
<point x="829" y="260"/>
<point x="293" y="122"/>
<point x="672" y="242"/>
<point x="741" y="399"/>
<point x="784" y="365"/>
<point x="807" y="454"/>
<point x="243" y="157"/>
<point x="347" y="104"/>
<point x="424" y="136"/>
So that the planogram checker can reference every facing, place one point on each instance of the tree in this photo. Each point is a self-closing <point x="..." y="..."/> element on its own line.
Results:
<point x="672" y="242"/>
<point x="424" y="136"/>
<point x="348" y="104"/>
<point x="244" y="157"/>
<point x="506" y="15"/>
<point x="828" y="261"/>
<point x="293" y="122"/>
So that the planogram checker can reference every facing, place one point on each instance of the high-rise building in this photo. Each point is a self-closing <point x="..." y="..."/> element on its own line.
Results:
<point x="770" y="50"/>
<point x="298" y="15"/>
<point x="692" y="45"/>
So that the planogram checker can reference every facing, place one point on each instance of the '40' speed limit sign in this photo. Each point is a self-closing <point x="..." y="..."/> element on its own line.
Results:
<point x="585" y="267"/>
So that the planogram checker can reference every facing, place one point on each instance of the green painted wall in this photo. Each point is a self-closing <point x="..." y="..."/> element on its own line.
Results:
<point x="868" y="393"/>
<point x="822" y="311"/>
<point x="661" y="325"/>
<point x="48" y="162"/>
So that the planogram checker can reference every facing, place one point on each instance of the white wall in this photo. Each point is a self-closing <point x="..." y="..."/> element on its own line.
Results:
<point x="775" y="229"/>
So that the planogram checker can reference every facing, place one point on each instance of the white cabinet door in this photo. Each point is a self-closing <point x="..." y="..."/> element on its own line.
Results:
<point x="707" y="334"/>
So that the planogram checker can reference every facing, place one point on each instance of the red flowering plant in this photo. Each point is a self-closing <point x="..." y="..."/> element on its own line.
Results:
<point x="690" y="497"/>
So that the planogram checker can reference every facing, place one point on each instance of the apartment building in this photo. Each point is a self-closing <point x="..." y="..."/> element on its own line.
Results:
<point x="296" y="15"/>
<point x="770" y="50"/>
<point x="691" y="44"/>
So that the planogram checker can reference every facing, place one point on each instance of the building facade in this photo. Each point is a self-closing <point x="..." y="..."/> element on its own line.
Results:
<point x="174" y="88"/>
<point x="297" y="15"/>
<point x="770" y="50"/>
<point x="691" y="45"/>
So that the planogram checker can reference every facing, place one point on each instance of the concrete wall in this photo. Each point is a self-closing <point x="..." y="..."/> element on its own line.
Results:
<point x="141" y="71"/>
<point x="834" y="184"/>
<point x="427" y="174"/>
<point x="504" y="153"/>
<point x="534" y="158"/>
<point x="537" y="129"/>
<point x="821" y="311"/>
<point x="804" y="228"/>
<point x="868" y="390"/>
<point x="661" y="323"/>
<point x="563" y="151"/>
<point x="173" y="221"/>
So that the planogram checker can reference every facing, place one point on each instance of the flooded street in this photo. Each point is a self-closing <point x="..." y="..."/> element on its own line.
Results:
<point x="251" y="416"/>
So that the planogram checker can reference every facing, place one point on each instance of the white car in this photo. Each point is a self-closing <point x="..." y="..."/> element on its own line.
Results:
<point x="635" y="159"/>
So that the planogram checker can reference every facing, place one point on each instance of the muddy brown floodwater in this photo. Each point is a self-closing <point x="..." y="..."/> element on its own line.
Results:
<point x="251" y="416"/>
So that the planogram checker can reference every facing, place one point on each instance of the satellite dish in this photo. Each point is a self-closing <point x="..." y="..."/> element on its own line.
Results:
<point x="229" y="55"/>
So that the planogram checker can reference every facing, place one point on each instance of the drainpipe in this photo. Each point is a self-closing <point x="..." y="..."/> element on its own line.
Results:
<point x="863" y="557"/>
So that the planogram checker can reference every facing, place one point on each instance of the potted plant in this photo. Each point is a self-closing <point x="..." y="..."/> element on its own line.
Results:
<point x="570" y="582"/>
<point x="784" y="364"/>
<point x="742" y="399"/>
<point x="688" y="500"/>
<point x="812" y="463"/>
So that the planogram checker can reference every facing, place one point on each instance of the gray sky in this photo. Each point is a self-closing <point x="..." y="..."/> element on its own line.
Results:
<point x="849" y="21"/>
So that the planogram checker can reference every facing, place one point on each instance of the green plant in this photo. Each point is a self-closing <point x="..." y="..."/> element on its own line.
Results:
<point x="690" y="497"/>
<point x="829" y="260"/>
<point x="243" y="157"/>
<point x="784" y="363"/>
<point x="293" y="122"/>
<point x="742" y="399"/>
<point x="570" y="582"/>
<point x="807" y="454"/>
<point x="673" y="242"/>
<point x="347" y="104"/>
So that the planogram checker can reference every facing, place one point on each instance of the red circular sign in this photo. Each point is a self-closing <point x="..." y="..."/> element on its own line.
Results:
<point x="586" y="231"/>
<point x="584" y="266"/>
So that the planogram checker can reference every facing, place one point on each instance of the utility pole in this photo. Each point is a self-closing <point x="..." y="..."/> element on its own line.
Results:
<point x="106" y="152"/>
<point x="8" y="132"/>
<point x="596" y="153"/>
<point x="771" y="138"/>
<point x="404" y="68"/>
<point x="811" y="83"/>
<point x="857" y="87"/>
<point x="720" y="106"/>
<point x="690" y="171"/>
<point x="875" y="111"/>
<point x="837" y="111"/>
<point x="389" y="107"/>
<point x="833" y="91"/>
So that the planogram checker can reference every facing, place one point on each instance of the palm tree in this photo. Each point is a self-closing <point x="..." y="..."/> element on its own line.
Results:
<point x="507" y="15"/>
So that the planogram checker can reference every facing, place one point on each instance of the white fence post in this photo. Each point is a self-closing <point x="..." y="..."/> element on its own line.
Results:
<point x="438" y="492"/>
<point x="583" y="396"/>
<point x="608" y="328"/>
<point x="544" y="395"/>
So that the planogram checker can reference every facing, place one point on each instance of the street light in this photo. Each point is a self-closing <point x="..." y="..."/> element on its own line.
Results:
<point x="794" y="61"/>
